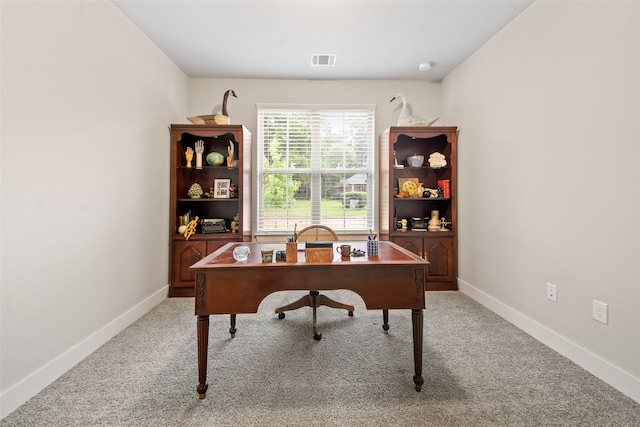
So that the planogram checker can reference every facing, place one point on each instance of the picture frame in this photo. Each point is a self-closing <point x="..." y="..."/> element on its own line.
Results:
<point x="221" y="188"/>
<point x="410" y="185"/>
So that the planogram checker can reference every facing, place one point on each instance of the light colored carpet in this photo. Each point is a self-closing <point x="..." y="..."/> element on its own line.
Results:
<point x="479" y="371"/>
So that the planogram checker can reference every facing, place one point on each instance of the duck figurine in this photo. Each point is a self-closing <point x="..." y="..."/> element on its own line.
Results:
<point x="405" y="119"/>
<point x="216" y="119"/>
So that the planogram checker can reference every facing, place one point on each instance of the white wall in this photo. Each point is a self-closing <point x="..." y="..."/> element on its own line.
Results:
<point x="86" y="101"/>
<point x="549" y="183"/>
<point x="205" y="97"/>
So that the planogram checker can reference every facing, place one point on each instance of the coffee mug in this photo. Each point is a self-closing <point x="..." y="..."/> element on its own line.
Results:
<point x="344" y="250"/>
<point x="267" y="255"/>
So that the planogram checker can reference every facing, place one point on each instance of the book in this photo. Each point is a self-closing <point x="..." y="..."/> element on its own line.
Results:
<point x="446" y="187"/>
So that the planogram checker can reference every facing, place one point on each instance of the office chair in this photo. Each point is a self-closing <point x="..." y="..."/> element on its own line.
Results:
<point x="315" y="299"/>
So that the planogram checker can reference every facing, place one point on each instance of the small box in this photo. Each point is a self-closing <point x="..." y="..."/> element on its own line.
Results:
<point x="318" y="252"/>
<point x="418" y="224"/>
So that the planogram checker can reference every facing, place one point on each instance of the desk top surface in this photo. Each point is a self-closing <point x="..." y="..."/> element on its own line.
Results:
<point x="388" y="254"/>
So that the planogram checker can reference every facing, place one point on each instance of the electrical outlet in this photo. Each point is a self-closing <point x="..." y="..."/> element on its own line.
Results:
<point x="601" y="312"/>
<point x="552" y="292"/>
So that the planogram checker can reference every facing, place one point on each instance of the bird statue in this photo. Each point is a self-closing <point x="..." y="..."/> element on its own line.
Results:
<point x="215" y="119"/>
<point x="407" y="120"/>
<point x="224" y="101"/>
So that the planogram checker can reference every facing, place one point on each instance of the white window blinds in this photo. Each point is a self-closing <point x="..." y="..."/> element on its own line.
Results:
<point x="316" y="165"/>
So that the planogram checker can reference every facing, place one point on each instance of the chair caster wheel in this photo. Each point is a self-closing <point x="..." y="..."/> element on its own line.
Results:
<point x="280" y="316"/>
<point x="351" y="313"/>
<point x="317" y="337"/>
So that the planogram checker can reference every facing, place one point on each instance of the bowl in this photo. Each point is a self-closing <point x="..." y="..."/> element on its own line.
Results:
<point x="415" y="161"/>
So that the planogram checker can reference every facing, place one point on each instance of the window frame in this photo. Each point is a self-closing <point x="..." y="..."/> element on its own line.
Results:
<point x="371" y="168"/>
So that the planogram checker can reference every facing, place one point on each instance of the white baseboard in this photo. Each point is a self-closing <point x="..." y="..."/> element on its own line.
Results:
<point x="31" y="385"/>
<point x="607" y="372"/>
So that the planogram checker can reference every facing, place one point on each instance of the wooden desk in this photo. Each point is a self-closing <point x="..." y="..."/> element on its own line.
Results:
<point x="395" y="279"/>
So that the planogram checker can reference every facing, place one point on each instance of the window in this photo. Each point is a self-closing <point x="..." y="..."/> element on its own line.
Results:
<point x="315" y="165"/>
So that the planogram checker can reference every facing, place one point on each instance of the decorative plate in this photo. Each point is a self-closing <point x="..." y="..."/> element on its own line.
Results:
<point x="410" y="185"/>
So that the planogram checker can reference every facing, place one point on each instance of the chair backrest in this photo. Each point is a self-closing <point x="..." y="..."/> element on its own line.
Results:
<point x="317" y="232"/>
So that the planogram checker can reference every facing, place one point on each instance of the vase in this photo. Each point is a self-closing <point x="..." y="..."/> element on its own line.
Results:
<point x="434" y="222"/>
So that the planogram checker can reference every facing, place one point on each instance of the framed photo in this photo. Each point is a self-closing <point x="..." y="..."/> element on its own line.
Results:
<point x="409" y="185"/>
<point x="221" y="188"/>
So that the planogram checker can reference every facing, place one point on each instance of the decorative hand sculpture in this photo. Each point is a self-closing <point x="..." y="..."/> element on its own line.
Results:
<point x="199" y="151"/>
<point x="189" y="155"/>
<point x="230" y="150"/>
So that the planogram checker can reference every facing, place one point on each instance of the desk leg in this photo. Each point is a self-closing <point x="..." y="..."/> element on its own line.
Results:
<point x="417" y="322"/>
<point x="385" y="321"/>
<point x="203" y="347"/>
<point x="232" y="327"/>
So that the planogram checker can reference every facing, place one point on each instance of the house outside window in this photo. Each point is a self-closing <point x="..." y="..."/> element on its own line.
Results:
<point x="315" y="165"/>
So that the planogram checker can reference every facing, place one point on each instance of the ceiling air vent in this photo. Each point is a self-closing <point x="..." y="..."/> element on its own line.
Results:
<point x="323" y="59"/>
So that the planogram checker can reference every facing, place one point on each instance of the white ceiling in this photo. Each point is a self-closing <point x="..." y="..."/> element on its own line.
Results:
<point x="275" y="39"/>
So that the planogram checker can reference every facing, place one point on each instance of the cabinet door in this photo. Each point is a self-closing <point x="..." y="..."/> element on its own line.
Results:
<point x="440" y="254"/>
<point x="413" y="244"/>
<point x="186" y="254"/>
